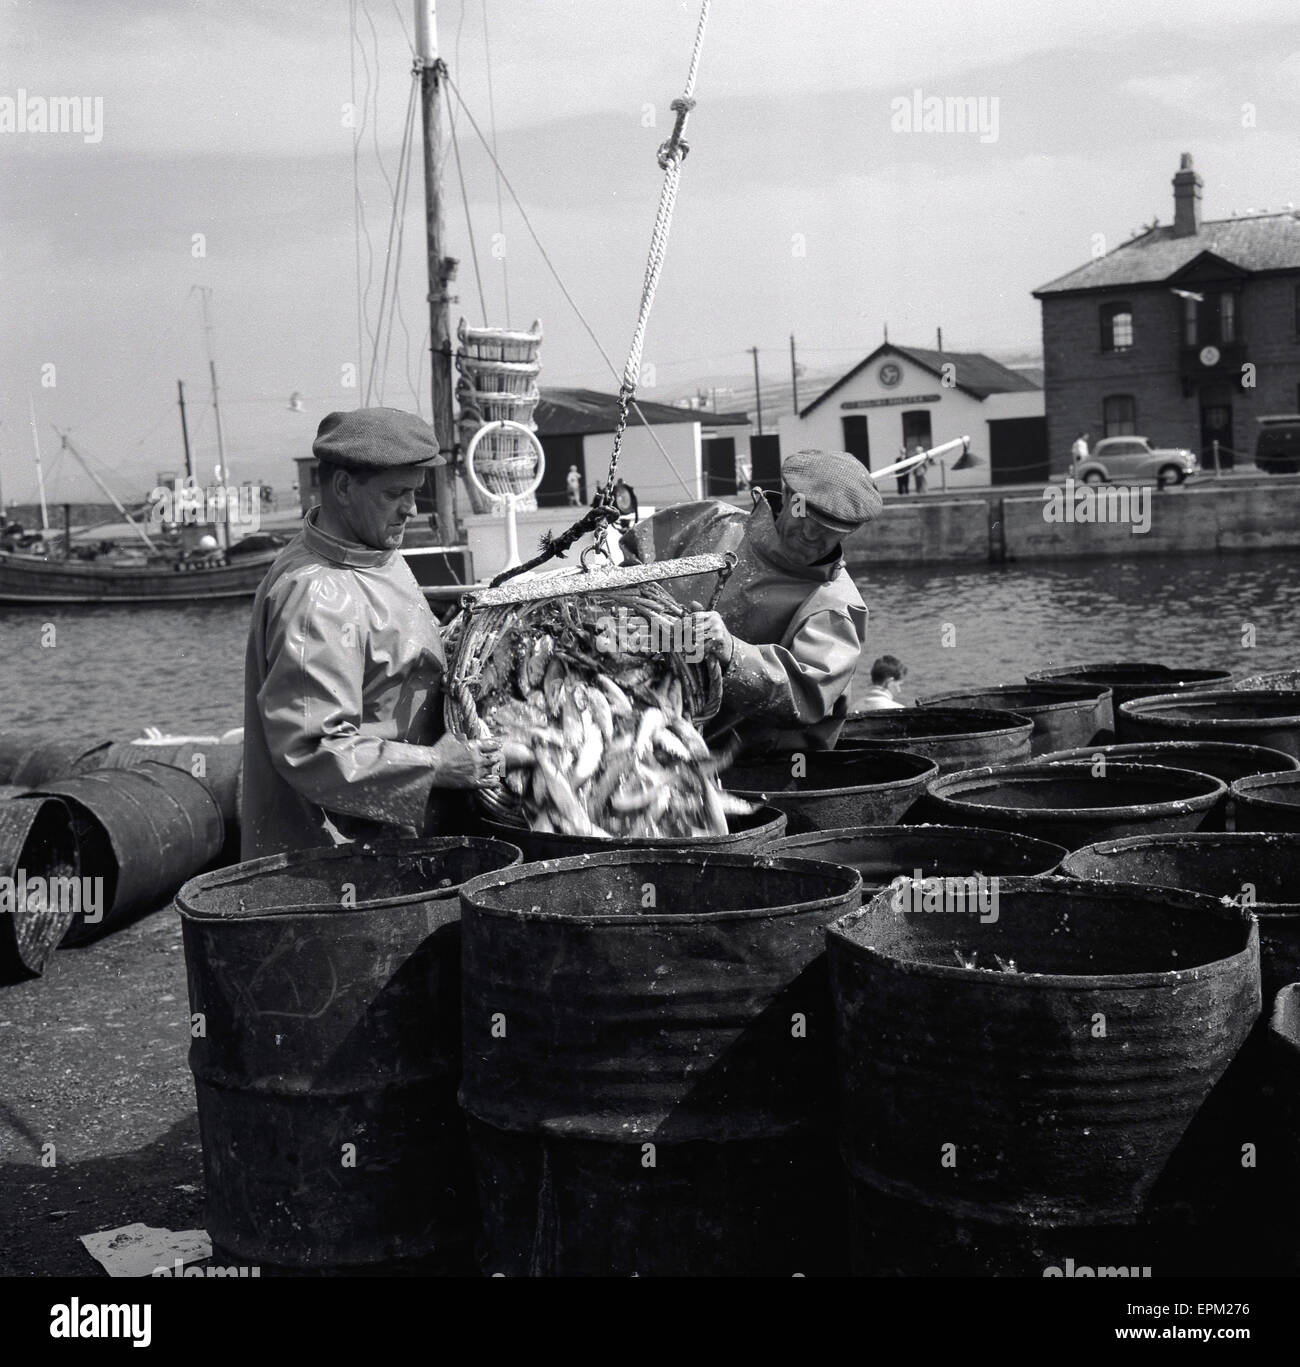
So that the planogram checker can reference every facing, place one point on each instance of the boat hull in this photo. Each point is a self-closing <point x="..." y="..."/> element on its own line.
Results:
<point x="28" y="580"/>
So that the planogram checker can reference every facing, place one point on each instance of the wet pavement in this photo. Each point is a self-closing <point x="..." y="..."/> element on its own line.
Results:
<point x="93" y="1063"/>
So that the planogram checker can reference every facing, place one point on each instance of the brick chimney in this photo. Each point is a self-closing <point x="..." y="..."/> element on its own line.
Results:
<point x="1187" y="199"/>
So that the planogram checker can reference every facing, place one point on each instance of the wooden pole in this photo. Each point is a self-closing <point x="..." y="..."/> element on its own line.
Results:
<point x="223" y="475"/>
<point x="185" y="431"/>
<point x="442" y="269"/>
<point x="794" y="375"/>
<point x="758" y="398"/>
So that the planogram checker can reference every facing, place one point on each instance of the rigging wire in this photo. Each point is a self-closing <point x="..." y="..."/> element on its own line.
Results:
<point x="564" y="289"/>
<point x="464" y="199"/>
<point x="404" y="180"/>
<point x="492" y="117"/>
<point x="356" y="176"/>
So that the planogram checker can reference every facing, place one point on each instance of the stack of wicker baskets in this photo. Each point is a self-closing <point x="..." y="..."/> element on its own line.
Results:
<point x="498" y="379"/>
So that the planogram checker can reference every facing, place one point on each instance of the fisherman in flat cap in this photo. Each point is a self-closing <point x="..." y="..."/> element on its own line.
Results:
<point x="790" y="624"/>
<point x="343" y="731"/>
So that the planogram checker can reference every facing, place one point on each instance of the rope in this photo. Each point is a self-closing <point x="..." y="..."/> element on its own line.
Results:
<point x="492" y="122"/>
<point x="464" y="199"/>
<point x="564" y="289"/>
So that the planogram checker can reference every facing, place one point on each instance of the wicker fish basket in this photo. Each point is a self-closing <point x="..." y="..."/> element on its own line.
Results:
<point x="495" y="405"/>
<point x="497" y="344"/>
<point x="484" y="643"/>
<point x="508" y="377"/>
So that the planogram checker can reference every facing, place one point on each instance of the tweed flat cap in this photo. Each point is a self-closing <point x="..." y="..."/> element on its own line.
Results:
<point x="837" y="488"/>
<point x="376" y="439"/>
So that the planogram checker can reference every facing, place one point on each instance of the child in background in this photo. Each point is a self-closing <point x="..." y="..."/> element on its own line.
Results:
<point x="887" y="676"/>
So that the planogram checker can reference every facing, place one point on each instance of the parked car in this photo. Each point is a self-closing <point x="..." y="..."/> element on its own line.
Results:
<point x="1277" y="452"/>
<point x="1122" y="460"/>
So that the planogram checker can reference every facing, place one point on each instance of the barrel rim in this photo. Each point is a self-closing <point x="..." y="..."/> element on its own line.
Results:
<point x="1180" y="678"/>
<point x="1284" y="1019"/>
<point x="233" y="874"/>
<point x="1155" y="705"/>
<point x="1208" y="743"/>
<point x="838" y="833"/>
<point x="470" y="891"/>
<point x="1196" y="802"/>
<point x="1096" y="694"/>
<point x="1278" y="778"/>
<point x="922" y="776"/>
<point x="602" y="843"/>
<point x="837" y="935"/>
<point x="1018" y="721"/>
<point x="1184" y="840"/>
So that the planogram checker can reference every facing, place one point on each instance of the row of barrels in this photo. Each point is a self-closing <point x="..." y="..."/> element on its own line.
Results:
<point x="95" y="832"/>
<point x="686" y="1062"/>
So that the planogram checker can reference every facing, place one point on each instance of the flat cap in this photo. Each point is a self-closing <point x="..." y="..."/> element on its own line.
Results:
<point x="376" y="439"/>
<point x="836" y="487"/>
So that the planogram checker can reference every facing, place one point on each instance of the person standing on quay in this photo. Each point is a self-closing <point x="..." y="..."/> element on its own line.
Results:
<point x="904" y="477"/>
<point x="885" y="693"/>
<point x="343" y="731"/>
<point x="1079" y="451"/>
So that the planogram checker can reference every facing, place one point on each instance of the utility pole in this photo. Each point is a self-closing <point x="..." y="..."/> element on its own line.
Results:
<point x="794" y="375"/>
<point x="758" y="397"/>
<point x="185" y="431"/>
<point x="940" y="335"/>
<point x="442" y="269"/>
<point x="223" y="473"/>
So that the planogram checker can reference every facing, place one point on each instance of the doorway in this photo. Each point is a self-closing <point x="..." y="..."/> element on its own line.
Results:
<point x="916" y="428"/>
<point x="1216" y="425"/>
<point x="856" y="441"/>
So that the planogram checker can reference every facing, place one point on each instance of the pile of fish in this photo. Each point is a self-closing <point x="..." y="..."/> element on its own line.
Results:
<point x="596" y="741"/>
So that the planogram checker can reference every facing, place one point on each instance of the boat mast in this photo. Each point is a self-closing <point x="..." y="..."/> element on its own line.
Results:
<point x="442" y="269"/>
<point x="105" y="490"/>
<point x="223" y="472"/>
<point x="40" y="474"/>
<point x="185" y="431"/>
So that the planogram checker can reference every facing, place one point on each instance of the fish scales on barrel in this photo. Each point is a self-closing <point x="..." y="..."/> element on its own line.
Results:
<point x="598" y="740"/>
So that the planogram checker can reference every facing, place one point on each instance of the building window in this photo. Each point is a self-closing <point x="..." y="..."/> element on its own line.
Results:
<point x="1117" y="327"/>
<point x="1191" y="323"/>
<point x="1227" y="317"/>
<point x="1120" y="415"/>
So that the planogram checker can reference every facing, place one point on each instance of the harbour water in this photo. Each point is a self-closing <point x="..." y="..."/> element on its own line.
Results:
<point x="116" y="670"/>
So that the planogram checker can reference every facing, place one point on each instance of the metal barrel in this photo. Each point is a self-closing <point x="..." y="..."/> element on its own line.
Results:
<point x="1220" y="759"/>
<point x="1072" y="805"/>
<point x="882" y="853"/>
<point x="1260" y="870"/>
<point x="1266" y="717"/>
<point x="1064" y="714"/>
<point x="143" y="832"/>
<point x="1268" y="802"/>
<point x="954" y="737"/>
<point x="745" y="833"/>
<point x="1273" y="678"/>
<point x="648" y="1065"/>
<point x="1129" y="679"/>
<point x="324" y="987"/>
<point x="1284" y="1042"/>
<point x="1045" y="1090"/>
<point x="28" y="761"/>
<point x="823" y="789"/>
<point x="37" y="847"/>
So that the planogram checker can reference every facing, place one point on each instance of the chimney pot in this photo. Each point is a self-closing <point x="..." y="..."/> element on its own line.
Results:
<point x="1187" y="199"/>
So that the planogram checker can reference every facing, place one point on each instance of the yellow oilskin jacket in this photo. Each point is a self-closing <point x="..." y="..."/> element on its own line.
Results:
<point x="799" y="629"/>
<point x="342" y="698"/>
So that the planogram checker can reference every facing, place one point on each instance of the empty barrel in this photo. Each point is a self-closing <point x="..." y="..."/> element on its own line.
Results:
<point x="1269" y="717"/>
<point x="1284" y="1042"/>
<point x="29" y="761"/>
<point x="1014" y="1085"/>
<point x="1071" y="804"/>
<point x="647" y="1065"/>
<point x="39" y="888"/>
<point x="141" y="832"/>
<point x="218" y="766"/>
<point x="1129" y="679"/>
<point x="822" y="789"/>
<point x="1064" y="714"/>
<point x="745" y="833"/>
<point x="954" y="737"/>
<point x="882" y="853"/>
<point x="327" y="1054"/>
<point x="1268" y="802"/>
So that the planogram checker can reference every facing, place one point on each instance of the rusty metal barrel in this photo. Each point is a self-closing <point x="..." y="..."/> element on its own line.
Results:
<point x="745" y="833"/>
<point x="1016" y="1084"/>
<point x="882" y="853"/>
<point x="1268" y="802"/>
<point x="1129" y="679"/>
<point x="648" y="1065"/>
<point x="1284" y="1043"/>
<point x="327" y="1054"/>
<point x="954" y="737"/>
<point x="1070" y="804"/>
<point x="28" y="761"/>
<point x="1221" y="759"/>
<point x="822" y="789"/>
<point x="142" y="832"/>
<point x="1064" y="714"/>
<point x="217" y="766"/>
<point x="39" y="885"/>
<point x="1268" y="717"/>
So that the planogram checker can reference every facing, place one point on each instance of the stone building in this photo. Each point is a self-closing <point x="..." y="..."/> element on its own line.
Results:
<point x="1184" y="335"/>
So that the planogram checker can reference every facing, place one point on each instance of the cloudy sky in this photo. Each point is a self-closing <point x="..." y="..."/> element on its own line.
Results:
<point x="802" y="210"/>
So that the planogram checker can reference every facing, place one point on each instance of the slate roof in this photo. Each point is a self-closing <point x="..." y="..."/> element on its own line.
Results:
<point x="581" y="412"/>
<point x="1262" y="242"/>
<point x="977" y="374"/>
